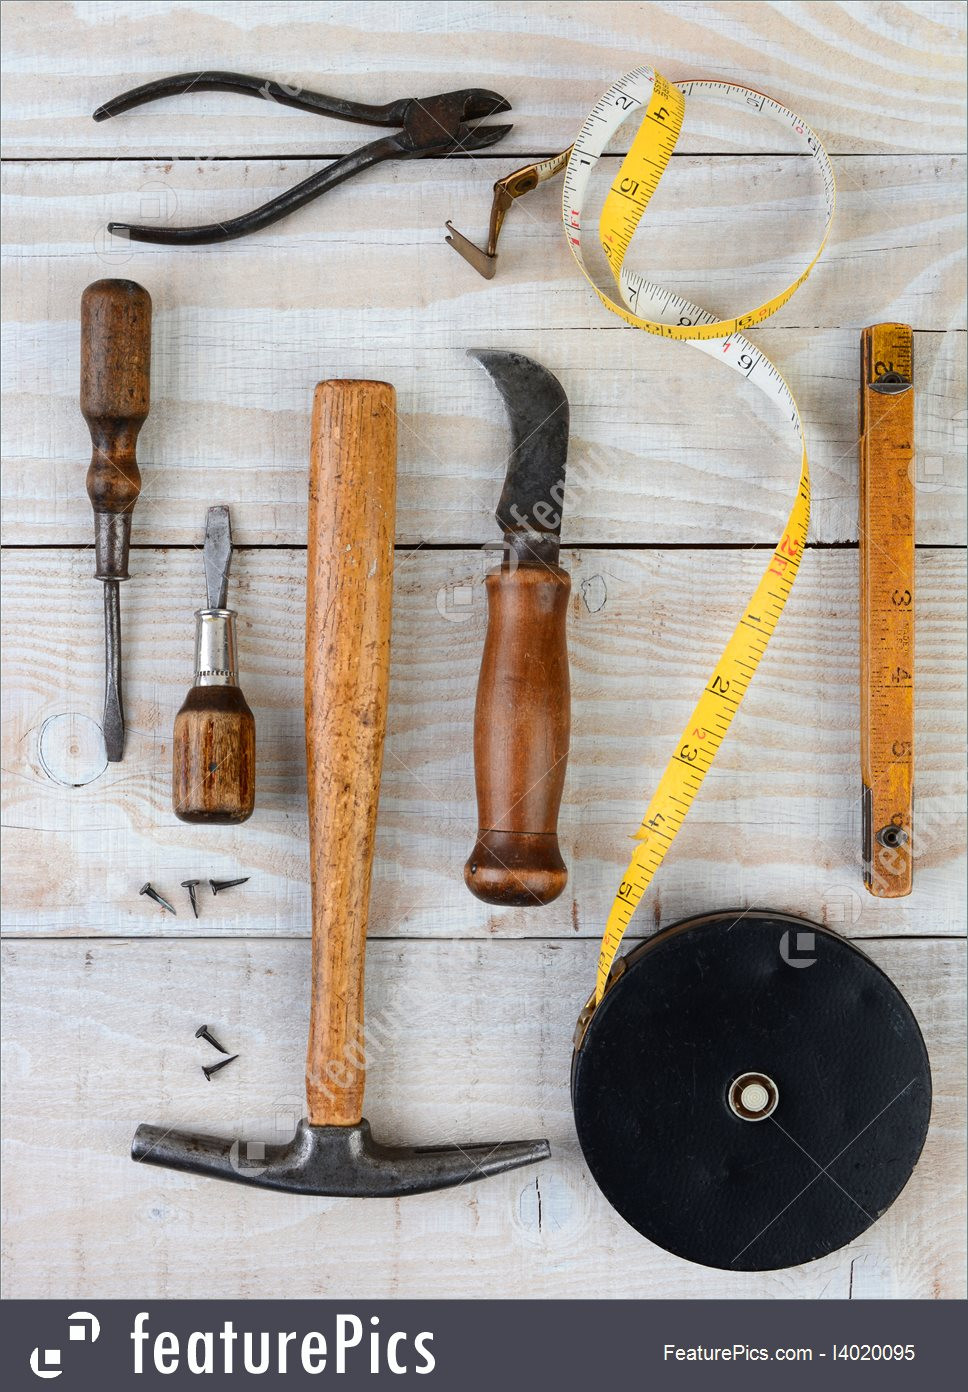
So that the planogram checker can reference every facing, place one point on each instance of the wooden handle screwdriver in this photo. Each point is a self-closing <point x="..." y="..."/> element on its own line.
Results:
<point x="115" y="376"/>
<point x="213" y="749"/>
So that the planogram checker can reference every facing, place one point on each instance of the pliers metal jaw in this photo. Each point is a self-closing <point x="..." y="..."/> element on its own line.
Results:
<point x="428" y="126"/>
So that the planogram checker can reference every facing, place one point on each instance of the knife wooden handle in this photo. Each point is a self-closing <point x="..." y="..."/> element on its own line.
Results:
<point x="522" y="725"/>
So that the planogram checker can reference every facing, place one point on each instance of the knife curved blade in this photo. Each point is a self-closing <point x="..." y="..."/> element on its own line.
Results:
<point x="534" y="484"/>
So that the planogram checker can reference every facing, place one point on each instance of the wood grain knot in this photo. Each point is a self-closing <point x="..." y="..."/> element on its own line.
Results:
<point x="548" y="1207"/>
<point x="71" y="749"/>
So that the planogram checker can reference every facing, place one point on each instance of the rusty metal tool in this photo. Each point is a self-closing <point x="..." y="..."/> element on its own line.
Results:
<point x="886" y="492"/>
<point x="152" y="893"/>
<point x="506" y="190"/>
<point x="213" y="747"/>
<point x="115" y="397"/>
<point x="203" y="1032"/>
<point x="217" y="886"/>
<point x="435" y="126"/>
<point x="522" y="719"/>
<point x="348" y="604"/>
<point x="210" y="1068"/>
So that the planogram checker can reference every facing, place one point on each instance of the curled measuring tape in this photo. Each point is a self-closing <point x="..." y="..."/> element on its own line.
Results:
<point x="660" y="106"/>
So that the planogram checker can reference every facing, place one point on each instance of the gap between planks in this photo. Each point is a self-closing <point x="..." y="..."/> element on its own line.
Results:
<point x="526" y="157"/>
<point x="408" y="547"/>
<point x="630" y="939"/>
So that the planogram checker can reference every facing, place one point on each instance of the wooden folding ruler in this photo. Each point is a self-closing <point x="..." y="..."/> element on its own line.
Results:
<point x="887" y="607"/>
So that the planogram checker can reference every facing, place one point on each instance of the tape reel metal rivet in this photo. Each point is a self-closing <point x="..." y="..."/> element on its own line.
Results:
<point x="753" y="1096"/>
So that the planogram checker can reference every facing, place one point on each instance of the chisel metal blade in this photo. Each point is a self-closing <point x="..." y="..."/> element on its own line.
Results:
<point x="534" y="485"/>
<point x="217" y="555"/>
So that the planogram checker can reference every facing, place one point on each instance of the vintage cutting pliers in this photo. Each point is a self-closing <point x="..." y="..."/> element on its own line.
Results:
<point x="428" y="126"/>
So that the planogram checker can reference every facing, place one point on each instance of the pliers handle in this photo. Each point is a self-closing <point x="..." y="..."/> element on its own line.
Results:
<point x="435" y="125"/>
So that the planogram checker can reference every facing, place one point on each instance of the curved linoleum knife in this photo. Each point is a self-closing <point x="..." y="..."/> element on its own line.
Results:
<point x="522" y="720"/>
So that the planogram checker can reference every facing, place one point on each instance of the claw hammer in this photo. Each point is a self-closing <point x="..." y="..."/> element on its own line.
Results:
<point x="352" y="493"/>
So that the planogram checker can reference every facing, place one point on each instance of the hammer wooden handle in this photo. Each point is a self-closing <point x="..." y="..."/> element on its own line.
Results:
<point x="522" y="725"/>
<point x="352" y="499"/>
<point x="115" y="375"/>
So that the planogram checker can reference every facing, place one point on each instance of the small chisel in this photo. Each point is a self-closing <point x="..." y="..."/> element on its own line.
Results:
<point x="213" y="749"/>
<point x="115" y="376"/>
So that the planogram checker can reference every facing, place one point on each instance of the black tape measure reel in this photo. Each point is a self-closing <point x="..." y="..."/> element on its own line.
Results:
<point x="752" y="1092"/>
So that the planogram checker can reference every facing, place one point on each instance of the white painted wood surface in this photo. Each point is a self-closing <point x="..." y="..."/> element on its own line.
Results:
<point x="480" y="1050"/>
<point x="669" y="456"/>
<point x="777" y="822"/>
<point x="666" y="446"/>
<point x="877" y="77"/>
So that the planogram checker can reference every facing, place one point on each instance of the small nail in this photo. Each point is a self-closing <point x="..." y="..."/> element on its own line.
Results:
<point x="190" y="886"/>
<point x="203" y="1032"/>
<point x="215" y="1067"/>
<point x="153" y="894"/>
<point x="219" y="885"/>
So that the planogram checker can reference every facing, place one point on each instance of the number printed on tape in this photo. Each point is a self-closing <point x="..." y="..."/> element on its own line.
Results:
<point x="659" y="106"/>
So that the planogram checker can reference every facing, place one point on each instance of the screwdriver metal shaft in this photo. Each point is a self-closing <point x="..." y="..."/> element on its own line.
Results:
<point x="112" y="721"/>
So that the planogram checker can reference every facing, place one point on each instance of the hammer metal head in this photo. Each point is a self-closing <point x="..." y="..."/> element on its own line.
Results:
<point x="337" y="1161"/>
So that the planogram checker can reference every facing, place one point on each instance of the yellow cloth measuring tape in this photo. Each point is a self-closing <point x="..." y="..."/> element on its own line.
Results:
<point x="647" y="306"/>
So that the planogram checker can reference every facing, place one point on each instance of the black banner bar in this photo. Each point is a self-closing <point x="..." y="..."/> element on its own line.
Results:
<point x="483" y="1345"/>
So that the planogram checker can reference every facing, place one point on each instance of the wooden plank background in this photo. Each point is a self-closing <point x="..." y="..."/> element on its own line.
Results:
<point x="496" y="1027"/>
<point x="676" y="472"/>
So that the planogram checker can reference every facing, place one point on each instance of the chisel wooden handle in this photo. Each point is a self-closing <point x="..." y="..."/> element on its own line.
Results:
<point x="522" y="725"/>
<point x="352" y="500"/>
<point x="213" y="744"/>
<point x="115" y="377"/>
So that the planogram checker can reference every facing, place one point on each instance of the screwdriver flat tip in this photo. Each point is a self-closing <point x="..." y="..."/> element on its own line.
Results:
<point x="217" y="555"/>
<point x="112" y="726"/>
<point x="112" y="722"/>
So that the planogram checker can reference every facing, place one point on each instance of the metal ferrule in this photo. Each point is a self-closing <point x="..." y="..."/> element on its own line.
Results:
<point x="216" y="661"/>
<point x="112" y="537"/>
<point x="529" y="548"/>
